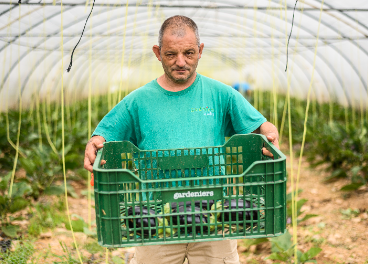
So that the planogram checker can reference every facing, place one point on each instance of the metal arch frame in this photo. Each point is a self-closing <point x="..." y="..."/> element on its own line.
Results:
<point x="344" y="14"/>
<point x="25" y="53"/>
<point x="338" y="52"/>
<point x="84" y="69"/>
<point x="10" y="9"/>
<point x="332" y="69"/>
<point x="32" y="27"/>
<point x="341" y="54"/>
<point x="234" y="6"/>
<point x="54" y="34"/>
<point x="38" y="44"/>
<point x="94" y="67"/>
<point x="278" y="60"/>
<point x="46" y="55"/>
<point x="218" y="56"/>
<point x="144" y="12"/>
<point x="36" y="26"/>
<point x="321" y="76"/>
<point x="306" y="74"/>
<point x="26" y="80"/>
<point x="212" y="52"/>
<point x="101" y="12"/>
<point x="326" y="86"/>
<point x="337" y="76"/>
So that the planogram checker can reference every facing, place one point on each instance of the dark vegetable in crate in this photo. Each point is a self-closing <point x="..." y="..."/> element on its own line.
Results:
<point x="188" y="215"/>
<point x="205" y="204"/>
<point x="233" y="206"/>
<point x="141" y="222"/>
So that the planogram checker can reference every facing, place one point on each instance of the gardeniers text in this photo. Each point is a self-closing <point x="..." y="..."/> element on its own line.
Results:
<point x="192" y="194"/>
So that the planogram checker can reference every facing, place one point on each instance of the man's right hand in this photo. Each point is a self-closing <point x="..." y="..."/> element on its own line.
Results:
<point x="94" y="144"/>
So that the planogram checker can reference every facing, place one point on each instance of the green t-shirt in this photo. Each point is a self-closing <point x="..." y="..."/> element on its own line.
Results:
<point x="199" y="116"/>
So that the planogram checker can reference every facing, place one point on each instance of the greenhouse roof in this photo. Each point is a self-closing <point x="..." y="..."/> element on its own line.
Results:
<point x="244" y="41"/>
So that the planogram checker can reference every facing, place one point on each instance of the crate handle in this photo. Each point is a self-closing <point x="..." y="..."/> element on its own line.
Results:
<point x="183" y="162"/>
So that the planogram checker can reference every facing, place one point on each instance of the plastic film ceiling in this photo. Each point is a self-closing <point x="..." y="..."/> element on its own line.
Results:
<point x="244" y="41"/>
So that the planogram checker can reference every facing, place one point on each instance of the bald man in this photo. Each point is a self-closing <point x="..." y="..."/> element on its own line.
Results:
<point x="180" y="109"/>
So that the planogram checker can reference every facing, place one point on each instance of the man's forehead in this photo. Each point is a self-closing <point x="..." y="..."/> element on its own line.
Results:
<point x="175" y="38"/>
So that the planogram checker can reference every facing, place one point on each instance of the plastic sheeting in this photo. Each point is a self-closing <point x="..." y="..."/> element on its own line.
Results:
<point x="245" y="41"/>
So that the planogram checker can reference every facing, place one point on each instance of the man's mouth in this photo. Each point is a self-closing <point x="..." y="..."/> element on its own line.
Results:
<point x="180" y="70"/>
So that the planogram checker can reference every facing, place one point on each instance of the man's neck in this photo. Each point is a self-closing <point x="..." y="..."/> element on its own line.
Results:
<point x="165" y="82"/>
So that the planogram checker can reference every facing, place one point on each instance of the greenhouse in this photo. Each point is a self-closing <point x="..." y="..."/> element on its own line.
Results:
<point x="299" y="196"/>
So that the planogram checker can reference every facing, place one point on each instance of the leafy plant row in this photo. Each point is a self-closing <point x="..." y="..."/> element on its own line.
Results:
<point x="336" y="135"/>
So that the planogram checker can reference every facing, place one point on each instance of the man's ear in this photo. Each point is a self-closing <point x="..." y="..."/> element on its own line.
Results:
<point x="200" y="50"/>
<point x="157" y="51"/>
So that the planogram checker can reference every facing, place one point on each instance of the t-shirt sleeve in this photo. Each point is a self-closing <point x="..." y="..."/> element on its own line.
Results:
<point x="241" y="117"/>
<point x="117" y="125"/>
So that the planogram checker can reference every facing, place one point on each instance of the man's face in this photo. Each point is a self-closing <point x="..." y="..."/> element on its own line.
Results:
<point x="179" y="55"/>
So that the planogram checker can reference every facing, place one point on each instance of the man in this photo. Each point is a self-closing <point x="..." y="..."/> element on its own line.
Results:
<point x="180" y="109"/>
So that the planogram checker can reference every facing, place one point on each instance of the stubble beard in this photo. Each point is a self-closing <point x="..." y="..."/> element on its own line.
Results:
<point x="167" y="71"/>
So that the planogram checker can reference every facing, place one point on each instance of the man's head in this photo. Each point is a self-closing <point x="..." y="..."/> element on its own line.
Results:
<point x="179" y="48"/>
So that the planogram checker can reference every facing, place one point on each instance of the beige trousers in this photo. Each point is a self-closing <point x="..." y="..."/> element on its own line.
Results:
<point x="216" y="252"/>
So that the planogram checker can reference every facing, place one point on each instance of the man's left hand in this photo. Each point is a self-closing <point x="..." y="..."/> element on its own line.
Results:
<point x="270" y="131"/>
<point x="272" y="137"/>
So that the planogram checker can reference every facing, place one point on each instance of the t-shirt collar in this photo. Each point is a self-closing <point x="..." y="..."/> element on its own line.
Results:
<point x="180" y="92"/>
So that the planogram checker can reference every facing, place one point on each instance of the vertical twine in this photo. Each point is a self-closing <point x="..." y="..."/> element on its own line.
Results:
<point x="62" y="130"/>
<point x="20" y="116"/>
<point x="123" y="49"/>
<point x="305" y="126"/>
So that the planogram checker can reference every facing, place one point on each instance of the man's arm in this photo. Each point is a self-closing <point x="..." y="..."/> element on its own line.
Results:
<point x="271" y="133"/>
<point x="94" y="144"/>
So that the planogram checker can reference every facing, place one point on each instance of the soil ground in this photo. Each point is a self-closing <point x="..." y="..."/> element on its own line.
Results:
<point x="340" y="229"/>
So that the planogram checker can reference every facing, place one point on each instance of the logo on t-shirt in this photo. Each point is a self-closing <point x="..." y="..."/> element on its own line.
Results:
<point x="205" y="110"/>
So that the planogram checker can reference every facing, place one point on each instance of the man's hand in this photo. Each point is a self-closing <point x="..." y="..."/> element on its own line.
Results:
<point x="94" y="144"/>
<point x="273" y="138"/>
<point x="271" y="133"/>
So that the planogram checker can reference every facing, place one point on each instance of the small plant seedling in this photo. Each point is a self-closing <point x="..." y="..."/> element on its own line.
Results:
<point x="349" y="213"/>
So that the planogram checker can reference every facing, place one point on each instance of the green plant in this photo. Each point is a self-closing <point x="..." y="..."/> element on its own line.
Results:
<point x="42" y="167"/>
<point x="299" y="205"/>
<point x="11" y="205"/>
<point x="344" y="150"/>
<point x="79" y="225"/>
<point x="283" y="250"/>
<point x="21" y="254"/>
<point x="349" y="213"/>
<point x="67" y="257"/>
<point x="255" y="241"/>
<point x="93" y="247"/>
<point x="46" y="216"/>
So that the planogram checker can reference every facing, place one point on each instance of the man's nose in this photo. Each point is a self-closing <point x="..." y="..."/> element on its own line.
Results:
<point x="180" y="60"/>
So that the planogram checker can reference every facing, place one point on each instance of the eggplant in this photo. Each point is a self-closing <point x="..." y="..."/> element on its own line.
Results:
<point x="141" y="222"/>
<point x="205" y="204"/>
<point x="241" y="214"/>
<point x="188" y="217"/>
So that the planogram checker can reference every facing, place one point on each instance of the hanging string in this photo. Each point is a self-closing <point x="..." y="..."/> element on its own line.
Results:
<point x="305" y="129"/>
<point x="71" y="57"/>
<point x="291" y="31"/>
<point x="19" y="121"/>
<point x="63" y="131"/>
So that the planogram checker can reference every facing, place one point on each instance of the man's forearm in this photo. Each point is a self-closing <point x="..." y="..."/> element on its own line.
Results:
<point x="267" y="128"/>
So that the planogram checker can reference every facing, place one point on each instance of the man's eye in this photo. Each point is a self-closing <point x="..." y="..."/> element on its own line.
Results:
<point x="190" y="53"/>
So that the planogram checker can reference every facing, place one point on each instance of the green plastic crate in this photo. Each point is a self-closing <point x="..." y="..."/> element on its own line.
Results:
<point x="189" y="195"/>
